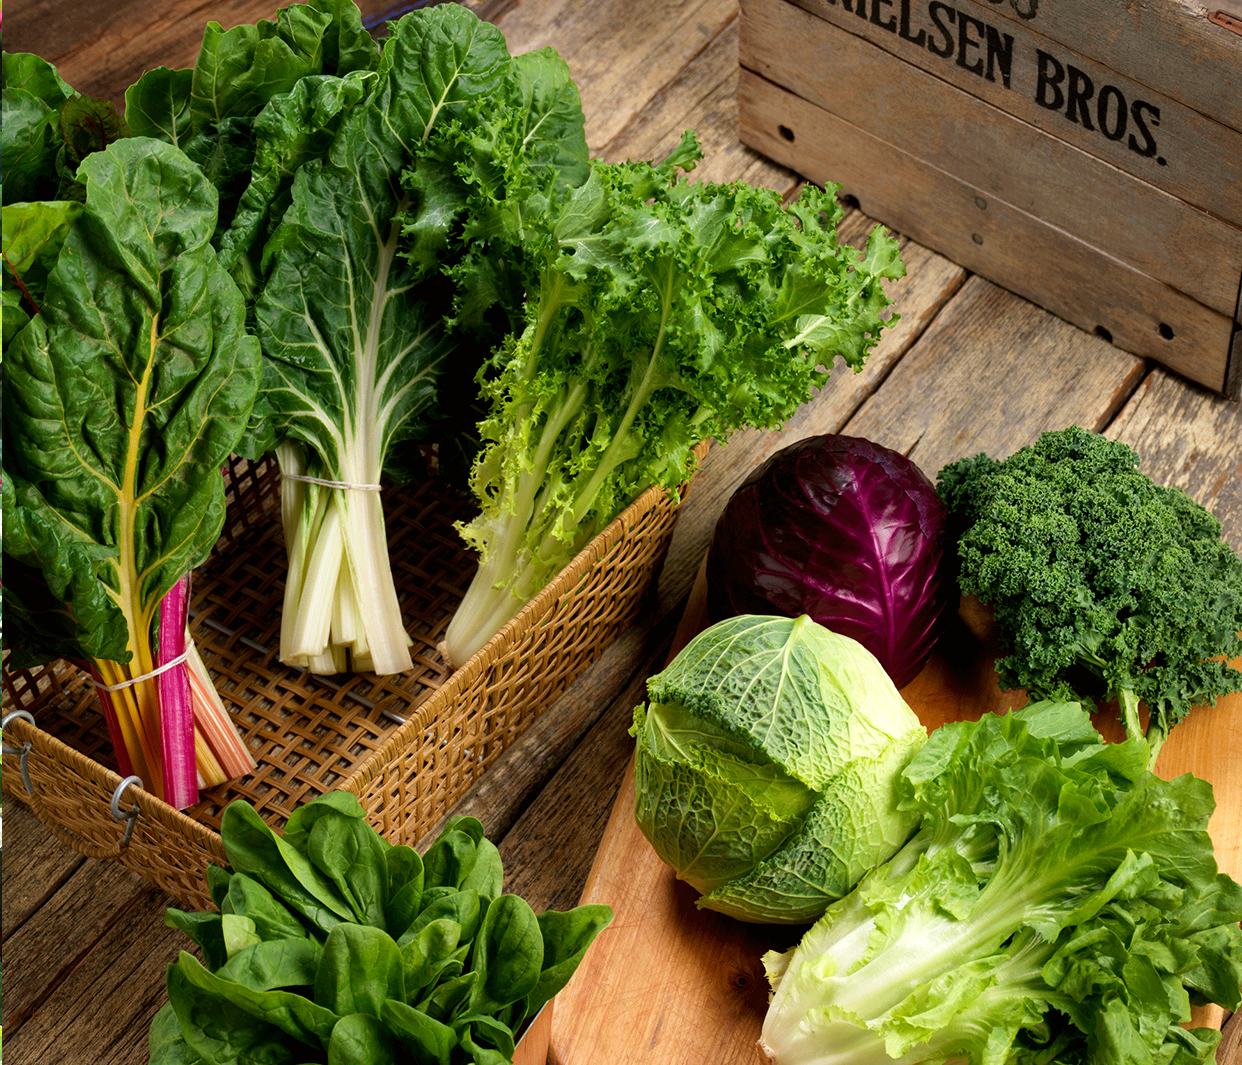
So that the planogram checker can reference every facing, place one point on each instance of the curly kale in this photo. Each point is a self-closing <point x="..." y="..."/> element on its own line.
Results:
<point x="1105" y="585"/>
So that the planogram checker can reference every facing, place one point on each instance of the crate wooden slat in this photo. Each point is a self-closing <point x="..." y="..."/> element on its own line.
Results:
<point x="1132" y="229"/>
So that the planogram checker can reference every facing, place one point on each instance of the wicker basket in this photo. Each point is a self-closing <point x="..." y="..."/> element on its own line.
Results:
<point x="408" y="745"/>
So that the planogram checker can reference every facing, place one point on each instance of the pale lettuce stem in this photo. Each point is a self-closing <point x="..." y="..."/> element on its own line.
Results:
<point x="620" y="447"/>
<point x="310" y="620"/>
<point x="370" y="569"/>
<point x="489" y="601"/>
<point x="1129" y="703"/>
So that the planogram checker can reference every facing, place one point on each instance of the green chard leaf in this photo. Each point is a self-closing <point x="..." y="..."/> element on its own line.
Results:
<point x="213" y="110"/>
<point x="33" y="236"/>
<point x="124" y="397"/>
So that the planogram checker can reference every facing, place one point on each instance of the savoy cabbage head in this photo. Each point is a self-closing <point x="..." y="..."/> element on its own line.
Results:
<point x="768" y="756"/>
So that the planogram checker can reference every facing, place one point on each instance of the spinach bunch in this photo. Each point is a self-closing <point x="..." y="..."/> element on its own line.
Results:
<point x="330" y="944"/>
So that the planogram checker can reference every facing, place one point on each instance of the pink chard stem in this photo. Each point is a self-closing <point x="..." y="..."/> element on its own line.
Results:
<point x="176" y="706"/>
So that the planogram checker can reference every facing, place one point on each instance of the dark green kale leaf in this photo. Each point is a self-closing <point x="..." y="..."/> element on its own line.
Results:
<point x="1105" y="585"/>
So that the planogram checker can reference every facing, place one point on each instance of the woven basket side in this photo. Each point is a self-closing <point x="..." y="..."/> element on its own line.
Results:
<point x="427" y="766"/>
<point x="438" y="729"/>
<point x="72" y="796"/>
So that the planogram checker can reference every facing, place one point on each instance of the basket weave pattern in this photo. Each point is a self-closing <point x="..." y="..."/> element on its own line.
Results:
<point x="408" y="745"/>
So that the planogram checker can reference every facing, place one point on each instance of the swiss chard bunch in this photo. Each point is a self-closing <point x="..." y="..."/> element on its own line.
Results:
<point x="123" y="397"/>
<point x="1104" y="584"/>
<point x="1058" y="903"/>
<point x="354" y="333"/>
<point x="330" y="944"/>
<point x="646" y="313"/>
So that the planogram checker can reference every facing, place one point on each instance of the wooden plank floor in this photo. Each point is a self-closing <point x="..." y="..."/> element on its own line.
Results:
<point x="969" y="368"/>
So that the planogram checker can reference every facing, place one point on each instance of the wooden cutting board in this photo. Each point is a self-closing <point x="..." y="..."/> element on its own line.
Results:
<point x="669" y="984"/>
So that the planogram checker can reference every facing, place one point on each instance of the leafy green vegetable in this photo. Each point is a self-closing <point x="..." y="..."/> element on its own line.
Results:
<point x="647" y="313"/>
<point x="1059" y="903"/>
<point x="33" y="236"/>
<point x="122" y="399"/>
<point x="767" y="763"/>
<point x="1105" y="585"/>
<point x="355" y="335"/>
<point x="354" y="949"/>
<point x="215" y="112"/>
<point x="46" y="130"/>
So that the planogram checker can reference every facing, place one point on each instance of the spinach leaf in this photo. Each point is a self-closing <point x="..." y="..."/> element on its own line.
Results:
<point x="361" y="968"/>
<point x="341" y="845"/>
<point x="165" y="1043"/>
<point x="508" y="955"/>
<point x="278" y="963"/>
<point x="435" y="953"/>
<point x="246" y="897"/>
<point x="405" y="888"/>
<point x="224" y="1031"/>
<point x="430" y="1042"/>
<point x="566" y="936"/>
<point x="253" y="847"/>
<point x="360" y="1039"/>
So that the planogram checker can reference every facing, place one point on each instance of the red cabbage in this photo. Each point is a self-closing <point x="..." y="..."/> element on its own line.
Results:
<point x="846" y="531"/>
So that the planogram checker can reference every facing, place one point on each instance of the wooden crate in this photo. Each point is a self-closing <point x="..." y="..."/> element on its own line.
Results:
<point x="1085" y="154"/>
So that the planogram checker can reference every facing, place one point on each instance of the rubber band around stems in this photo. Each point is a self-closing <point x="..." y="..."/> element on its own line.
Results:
<point x="332" y="484"/>
<point x="145" y="676"/>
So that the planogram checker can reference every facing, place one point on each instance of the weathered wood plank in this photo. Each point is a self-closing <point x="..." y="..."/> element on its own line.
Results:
<point x="990" y="374"/>
<point x="702" y="96"/>
<point x="551" y="848"/>
<point x="35" y="867"/>
<point x="89" y="902"/>
<point x="525" y="767"/>
<point x="1171" y="45"/>
<point x="1191" y="439"/>
<point x="984" y="233"/>
<point x="1011" y="65"/>
<point x="1008" y="156"/>
<point x="102" y="47"/>
<point x="621" y="54"/>
<point x="100" y="1011"/>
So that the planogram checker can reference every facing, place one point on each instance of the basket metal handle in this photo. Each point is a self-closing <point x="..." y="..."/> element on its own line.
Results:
<point x="130" y="816"/>
<point x="24" y="749"/>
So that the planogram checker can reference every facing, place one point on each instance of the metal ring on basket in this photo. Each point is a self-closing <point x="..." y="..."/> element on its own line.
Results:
<point x="24" y="749"/>
<point x="132" y="816"/>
